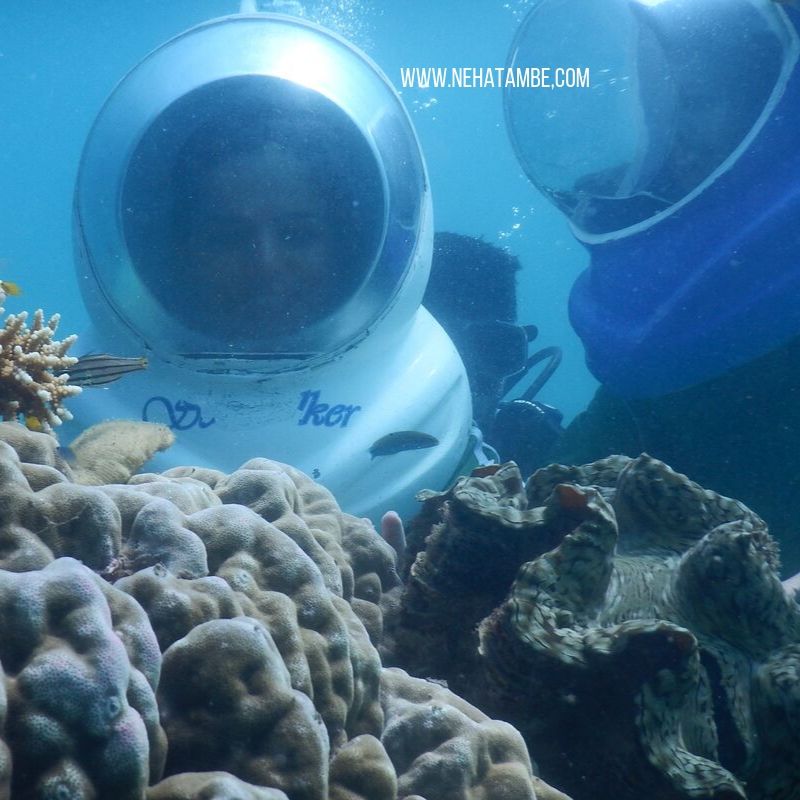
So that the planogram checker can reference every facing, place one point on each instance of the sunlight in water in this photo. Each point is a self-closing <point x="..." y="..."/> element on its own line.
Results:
<point x="352" y="19"/>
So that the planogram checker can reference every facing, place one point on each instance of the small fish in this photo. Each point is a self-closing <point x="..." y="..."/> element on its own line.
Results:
<point x="11" y="288"/>
<point x="100" y="369"/>
<point x="400" y="441"/>
<point x="33" y="423"/>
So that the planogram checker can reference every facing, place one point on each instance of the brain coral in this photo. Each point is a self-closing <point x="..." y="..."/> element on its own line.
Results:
<point x="227" y="700"/>
<point x="250" y="607"/>
<point x="629" y="622"/>
<point x="444" y="747"/>
<point x="81" y="718"/>
<point x="210" y="786"/>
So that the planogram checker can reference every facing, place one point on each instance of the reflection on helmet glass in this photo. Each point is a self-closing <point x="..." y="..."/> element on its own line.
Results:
<point x="675" y="90"/>
<point x="252" y="209"/>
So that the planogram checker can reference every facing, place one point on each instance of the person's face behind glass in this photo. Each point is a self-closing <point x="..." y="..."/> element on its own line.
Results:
<point x="257" y="242"/>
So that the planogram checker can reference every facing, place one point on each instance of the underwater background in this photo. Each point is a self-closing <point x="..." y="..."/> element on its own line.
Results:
<point x="607" y="628"/>
<point x="59" y="63"/>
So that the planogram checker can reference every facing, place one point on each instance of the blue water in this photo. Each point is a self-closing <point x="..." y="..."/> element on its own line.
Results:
<point x="58" y="64"/>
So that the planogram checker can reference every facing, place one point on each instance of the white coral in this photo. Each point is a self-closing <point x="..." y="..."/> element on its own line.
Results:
<point x="28" y="358"/>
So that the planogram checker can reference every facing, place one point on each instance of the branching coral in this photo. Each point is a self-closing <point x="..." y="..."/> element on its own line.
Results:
<point x="29" y="359"/>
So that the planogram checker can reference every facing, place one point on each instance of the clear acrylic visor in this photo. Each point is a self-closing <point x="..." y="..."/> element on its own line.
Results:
<point x="253" y="189"/>
<point x="675" y="88"/>
<point x="254" y="211"/>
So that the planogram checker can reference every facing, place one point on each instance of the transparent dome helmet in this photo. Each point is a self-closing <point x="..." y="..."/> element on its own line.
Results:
<point x="262" y="202"/>
<point x="677" y="167"/>
<point x="673" y="97"/>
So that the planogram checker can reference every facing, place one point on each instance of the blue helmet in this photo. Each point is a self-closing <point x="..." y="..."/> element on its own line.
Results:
<point x="678" y="168"/>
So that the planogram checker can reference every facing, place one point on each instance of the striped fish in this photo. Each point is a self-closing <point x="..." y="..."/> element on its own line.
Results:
<point x="101" y="369"/>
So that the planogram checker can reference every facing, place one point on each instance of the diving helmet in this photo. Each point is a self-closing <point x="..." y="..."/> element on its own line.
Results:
<point x="252" y="213"/>
<point x="669" y="139"/>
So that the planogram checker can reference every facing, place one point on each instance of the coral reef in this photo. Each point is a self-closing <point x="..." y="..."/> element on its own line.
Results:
<point x="57" y="518"/>
<point x="80" y="667"/>
<point x="230" y="635"/>
<point x="29" y="359"/>
<point x="437" y="740"/>
<point x="210" y="786"/>
<point x="229" y="650"/>
<point x="226" y="698"/>
<point x="630" y="623"/>
<point x="113" y="451"/>
<point x="361" y="770"/>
